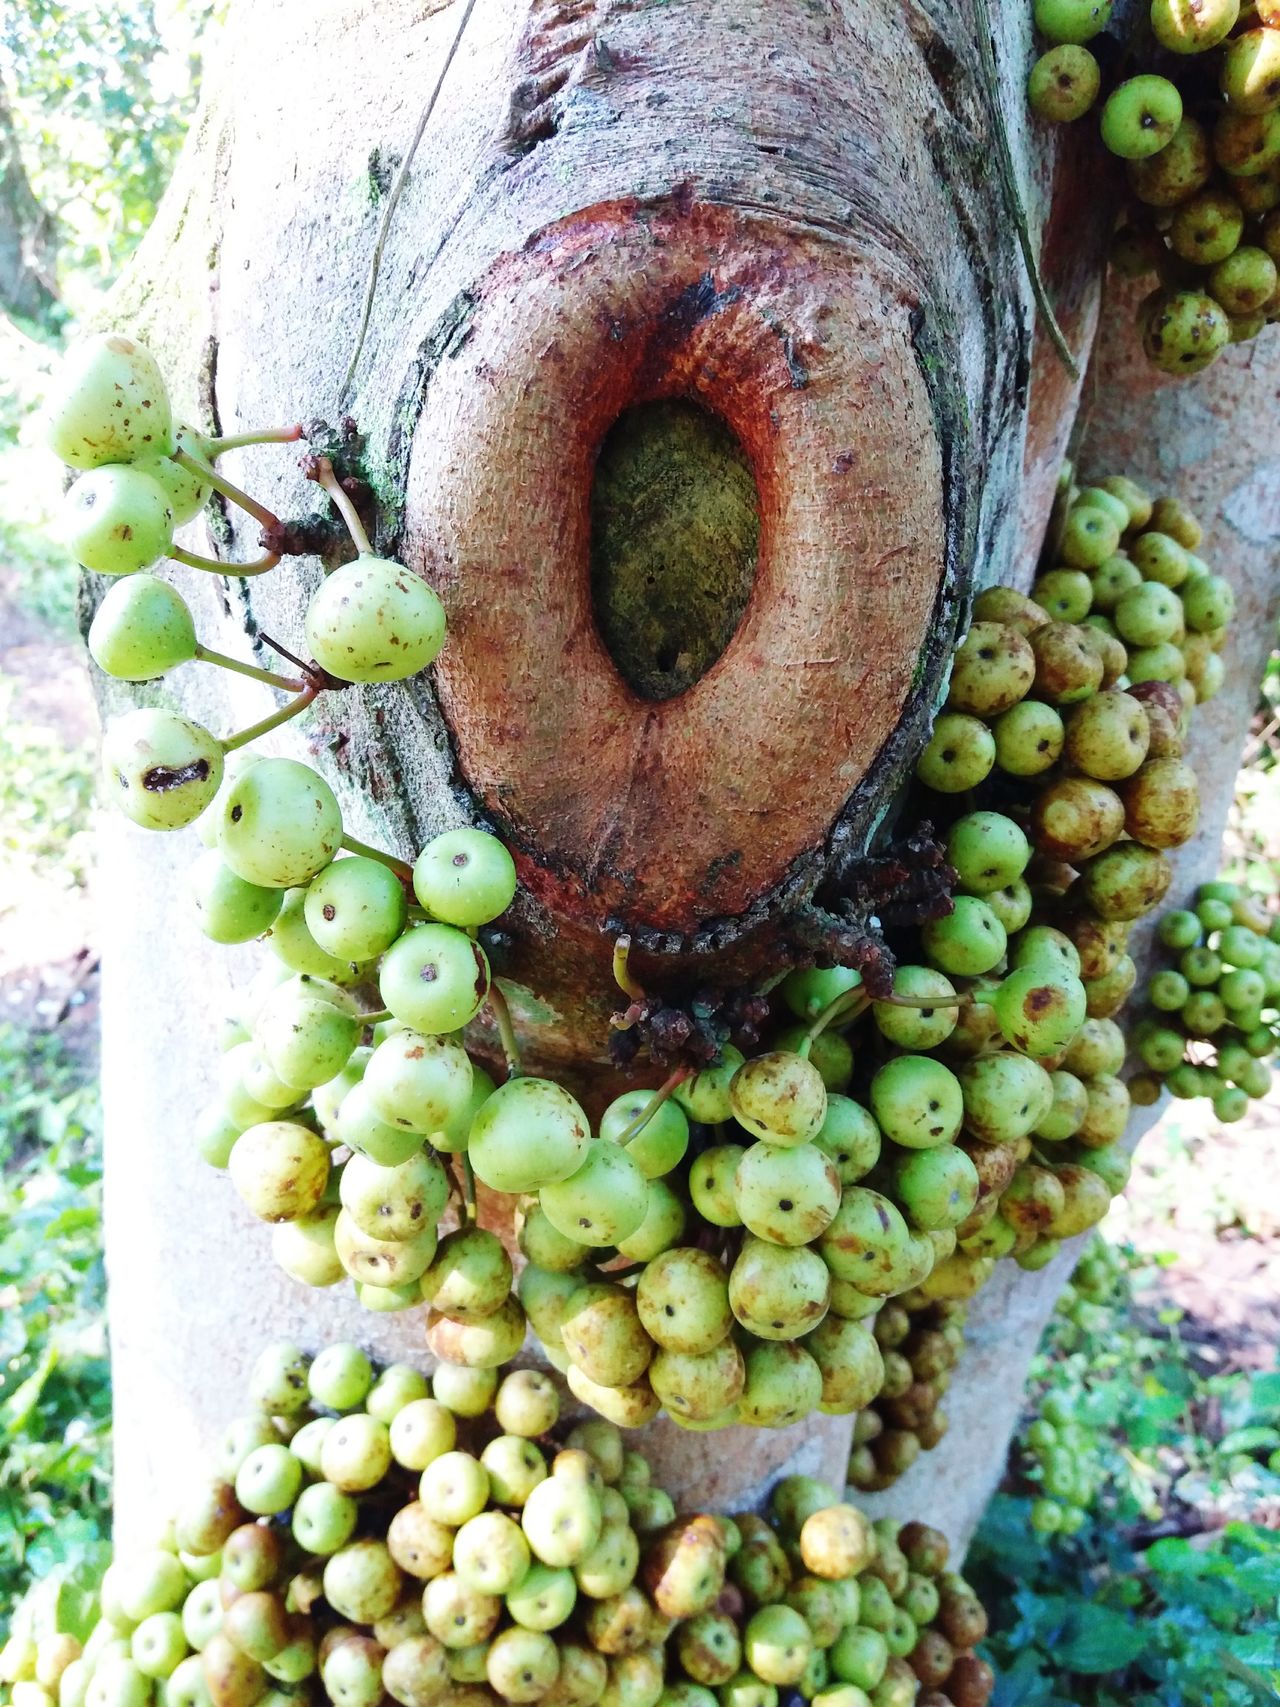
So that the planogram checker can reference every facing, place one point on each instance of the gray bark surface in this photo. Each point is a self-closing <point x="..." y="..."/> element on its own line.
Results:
<point x="28" y="233"/>
<point x="851" y="146"/>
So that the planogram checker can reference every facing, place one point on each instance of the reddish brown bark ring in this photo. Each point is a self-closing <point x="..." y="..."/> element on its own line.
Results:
<point x="625" y="806"/>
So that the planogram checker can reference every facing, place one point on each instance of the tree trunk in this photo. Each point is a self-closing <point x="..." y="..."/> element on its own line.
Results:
<point x="28" y="233"/>
<point x="685" y="672"/>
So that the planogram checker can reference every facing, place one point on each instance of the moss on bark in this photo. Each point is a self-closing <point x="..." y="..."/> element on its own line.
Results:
<point x="675" y="530"/>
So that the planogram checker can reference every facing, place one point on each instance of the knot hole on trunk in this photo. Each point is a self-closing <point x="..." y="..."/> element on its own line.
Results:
<point x="675" y="534"/>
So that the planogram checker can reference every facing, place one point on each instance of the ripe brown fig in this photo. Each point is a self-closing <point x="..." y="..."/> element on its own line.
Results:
<point x="896" y="1451"/>
<point x="1032" y="1200"/>
<point x="252" y="1557"/>
<point x="913" y="1407"/>
<point x="1170" y="515"/>
<point x="208" y="1518"/>
<point x="232" y="1678"/>
<point x="996" y="1164"/>
<point x="1110" y="649"/>
<point x="971" y="1682"/>
<point x="1100" y="943"/>
<point x="932" y="1430"/>
<point x="1067" y="667"/>
<point x="930" y="1353"/>
<point x="932" y="1659"/>
<point x="1176" y="171"/>
<point x="961" y="1616"/>
<point x="1126" y="881"/>
<point x="1162" y="803"/>
<point x="1075" y="818"/>
<point x="927" y="1549"/>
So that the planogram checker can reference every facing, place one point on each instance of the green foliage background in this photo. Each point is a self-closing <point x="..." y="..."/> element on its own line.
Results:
<point x="55" y="1381"/>
<point x="1120" y="1613"/>
<point x="100" y="93"/>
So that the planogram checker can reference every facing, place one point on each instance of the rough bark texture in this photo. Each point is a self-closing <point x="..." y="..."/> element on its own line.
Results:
<point x="788" y="217"/>
<point x="786" y="214"/>
<point x="28" y="233"/>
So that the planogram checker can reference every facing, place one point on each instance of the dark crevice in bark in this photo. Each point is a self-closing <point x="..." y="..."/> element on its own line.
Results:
<point x="870" y="815"/>
<point x="559" y="51"/>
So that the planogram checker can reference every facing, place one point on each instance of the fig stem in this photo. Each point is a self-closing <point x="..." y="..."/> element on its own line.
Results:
<point x="215" y="566"/>
<point x="506" y="1030"/>
<point x="234" y="494"/>
<point x="268" y="436"/>
<point x="848" y="1005"/>
<point x="324" y="476"/>
<point x="621" y="970"/>
<point x="255" y="672"/>
<point x="654" y="1103"/>
<point x="255" y="731"/>
<point x="402" y="869"/>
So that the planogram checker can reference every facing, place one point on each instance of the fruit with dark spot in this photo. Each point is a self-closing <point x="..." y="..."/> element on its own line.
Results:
<point x="1184" y="331"/>
<point x="160" y="769"/>
<point x="992" y="669"/>
<point x="1141" y="116"/>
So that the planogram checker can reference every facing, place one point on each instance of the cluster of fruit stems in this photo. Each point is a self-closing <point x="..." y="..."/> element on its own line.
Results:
<point x="311" y="682"/>
<point x="844" y="1011"/>
<point x="208" y="475"/>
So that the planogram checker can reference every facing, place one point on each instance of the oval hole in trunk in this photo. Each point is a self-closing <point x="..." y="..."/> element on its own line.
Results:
<point x="675" y="532"/>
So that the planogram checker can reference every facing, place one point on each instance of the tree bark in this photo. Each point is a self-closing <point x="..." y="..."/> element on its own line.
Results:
<point x="783" y="219"/>
<point x="618" y="203"/>
<point x="28" y="233"/>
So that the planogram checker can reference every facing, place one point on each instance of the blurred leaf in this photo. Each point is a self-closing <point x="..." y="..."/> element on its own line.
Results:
<point x="55" y="1389"/>
<point x="1083" y="1619"/>
<point x="1096" y="1639"/>
<point x="1254" y="1439"/>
